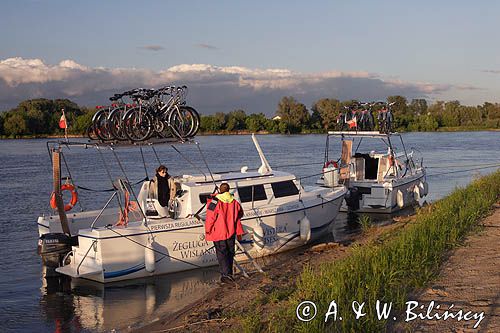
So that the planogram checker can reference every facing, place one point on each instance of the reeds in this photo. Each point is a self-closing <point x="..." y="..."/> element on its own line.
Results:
<point x="388" y="272"/>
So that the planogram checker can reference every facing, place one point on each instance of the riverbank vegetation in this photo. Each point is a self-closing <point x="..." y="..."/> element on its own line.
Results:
<point x="39" y="117"/>
<point x="388" y="270"/>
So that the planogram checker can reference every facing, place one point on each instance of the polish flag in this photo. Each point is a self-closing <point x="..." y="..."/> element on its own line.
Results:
<point x="62" y="122"/>
<point x="353" y="123"/>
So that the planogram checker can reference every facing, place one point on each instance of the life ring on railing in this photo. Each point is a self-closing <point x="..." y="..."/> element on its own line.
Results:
<point x="331" y="163"/>
<point x="72" y="202"/>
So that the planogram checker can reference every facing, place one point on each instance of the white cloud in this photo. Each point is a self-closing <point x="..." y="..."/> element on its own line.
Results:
<point x="212" y="88"/>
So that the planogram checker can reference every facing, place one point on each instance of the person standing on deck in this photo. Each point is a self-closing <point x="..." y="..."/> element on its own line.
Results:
<point x="222" y="226"/>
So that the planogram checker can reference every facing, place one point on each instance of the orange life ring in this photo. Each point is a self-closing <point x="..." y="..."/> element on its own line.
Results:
<point x="72" y="202"/>
<point x="335" y="164"/>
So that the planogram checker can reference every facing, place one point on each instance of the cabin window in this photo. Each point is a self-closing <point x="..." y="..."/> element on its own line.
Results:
<point x="284" y="189"/>
<point x="245" y="193"/>
<point x="204" y="197"/>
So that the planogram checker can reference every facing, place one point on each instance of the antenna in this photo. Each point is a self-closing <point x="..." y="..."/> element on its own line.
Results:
<point x="265" y="167"/>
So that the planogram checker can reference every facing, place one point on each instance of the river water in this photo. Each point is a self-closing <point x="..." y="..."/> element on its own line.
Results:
<point x="29" y="302"/>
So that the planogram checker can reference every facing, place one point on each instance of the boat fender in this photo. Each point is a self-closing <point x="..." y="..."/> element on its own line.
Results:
<point x="424" y="189"/>
<point x="258" y="237"/>
<point x="417" y="192"/>
<point x="305" y="229"/>
<point x="149" y="255"/>
<point x="72" y="202"/>
<point x="400" y="199"/>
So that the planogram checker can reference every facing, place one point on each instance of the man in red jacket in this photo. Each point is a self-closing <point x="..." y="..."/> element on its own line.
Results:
<point x="222" y="225"/>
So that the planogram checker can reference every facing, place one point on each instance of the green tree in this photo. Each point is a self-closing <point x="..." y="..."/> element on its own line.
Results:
<point x="400" y="106"/>
<point x="436" y="110"/>
<point x="220" y="119"/>
<point x="293" y="113"/>
<point x="272" y="126"/>
<point x="451" y="114"/>
<point x="236" y="120"/>
<point x="15" y="125"/>
<point x="256" y="122"/>
<point x="284" y="128"/>
<point x="418" y="106"/>
<point x="2" y="119"/>
<point x="83" y="121"/>
<point x="328" y="110"/>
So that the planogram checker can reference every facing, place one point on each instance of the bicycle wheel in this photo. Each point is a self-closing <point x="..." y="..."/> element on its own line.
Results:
<point x="101" y="128"/>
<point x="115" y="124"/>
<point x="90" y="133"/>
<point x="165" y="132"/>
<point x="197" y="121"/>
<point x="181" y="121"/>
<point x="137" y="125"/>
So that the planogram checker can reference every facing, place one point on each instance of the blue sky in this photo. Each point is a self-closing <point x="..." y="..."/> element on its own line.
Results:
<point x="442" y="50"/>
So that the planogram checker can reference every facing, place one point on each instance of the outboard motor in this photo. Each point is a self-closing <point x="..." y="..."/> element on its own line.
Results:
<point x="52" y="247"/>
<point x="352" y="199"/>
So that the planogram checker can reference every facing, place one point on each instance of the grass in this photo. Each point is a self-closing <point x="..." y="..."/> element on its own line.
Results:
<point x="366" y="223"/>
<point x="388" y="272"/>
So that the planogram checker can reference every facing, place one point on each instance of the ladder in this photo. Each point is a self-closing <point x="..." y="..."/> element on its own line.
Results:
<point x="241" y="250"/>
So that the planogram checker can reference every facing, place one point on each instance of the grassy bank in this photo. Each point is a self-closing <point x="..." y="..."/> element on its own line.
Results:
<point x="389" y="272"/>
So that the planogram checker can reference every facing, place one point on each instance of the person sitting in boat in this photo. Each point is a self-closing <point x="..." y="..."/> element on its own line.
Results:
<point x="222" y="226"/>
<point x="162" y="186"/>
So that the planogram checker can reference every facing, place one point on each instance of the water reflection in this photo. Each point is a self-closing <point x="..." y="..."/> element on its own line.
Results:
<point x="82" y="305"/>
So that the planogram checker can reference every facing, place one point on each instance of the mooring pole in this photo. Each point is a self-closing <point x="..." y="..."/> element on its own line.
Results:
<point x="56" y="173"/>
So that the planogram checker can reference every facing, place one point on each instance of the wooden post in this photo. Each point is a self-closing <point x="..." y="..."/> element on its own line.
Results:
<point x="56" y="173"/>
<point x="345" y="160"/>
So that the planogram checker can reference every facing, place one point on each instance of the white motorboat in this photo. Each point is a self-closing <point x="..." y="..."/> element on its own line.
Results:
<point x="280" y="214"/>
<point x="378" y="181"/>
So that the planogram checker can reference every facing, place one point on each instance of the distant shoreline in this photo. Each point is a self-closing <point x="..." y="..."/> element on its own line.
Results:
<point x="442" y="130"/>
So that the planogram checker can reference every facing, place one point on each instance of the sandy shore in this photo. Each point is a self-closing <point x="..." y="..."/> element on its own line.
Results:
<point x="209" y="314"/>
<point x="469" y="279"/>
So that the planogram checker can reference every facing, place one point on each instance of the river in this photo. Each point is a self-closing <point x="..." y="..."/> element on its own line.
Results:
<point x="29" y="302"/>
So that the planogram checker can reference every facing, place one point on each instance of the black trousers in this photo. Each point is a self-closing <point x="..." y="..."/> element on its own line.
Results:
<point x="225" y="255"/>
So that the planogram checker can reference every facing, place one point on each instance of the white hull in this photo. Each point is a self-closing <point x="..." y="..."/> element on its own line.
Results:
<point x="383" y="197"/>
<point x="279" y="214"/>
<point x="118" y="253"/>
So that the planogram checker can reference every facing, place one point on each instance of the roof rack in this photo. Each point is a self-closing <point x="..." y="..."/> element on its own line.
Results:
<point x="87" y="143"/>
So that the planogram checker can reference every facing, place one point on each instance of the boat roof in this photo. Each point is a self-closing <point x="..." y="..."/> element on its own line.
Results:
<point x="362" y="134"/>
<point x="193" y="180"/>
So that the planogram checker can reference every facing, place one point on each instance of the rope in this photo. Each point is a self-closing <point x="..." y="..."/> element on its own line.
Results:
<point x="71" y="177"/>
<point x="206" y="164"/>
<point x="130" y="206"/>
<point x="458" y="171"/>
<point x="109" y="189"/>
<point x="460" y="166"/>
<point x="187" y="160"/>
<point x="144" y="163"/>
<point x="110" y="178"/>
<point x="126" y="177"/>
<point x="157" y="158"/>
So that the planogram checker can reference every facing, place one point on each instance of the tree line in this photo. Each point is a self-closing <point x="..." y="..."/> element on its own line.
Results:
<point x="40" y="117"/>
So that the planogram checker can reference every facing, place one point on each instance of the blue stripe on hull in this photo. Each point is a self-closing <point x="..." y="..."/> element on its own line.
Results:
<point x="138" y="267"/>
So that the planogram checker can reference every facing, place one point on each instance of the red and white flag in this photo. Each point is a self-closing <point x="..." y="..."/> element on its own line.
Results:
<point x="62" y="122"/>
<point x="353" y="123"/>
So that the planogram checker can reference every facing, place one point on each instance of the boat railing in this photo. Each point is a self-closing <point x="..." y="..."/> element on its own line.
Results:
<point x="85" y="256"/>
<point x="363" y="134"/>
<point x="102" y="210"/>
